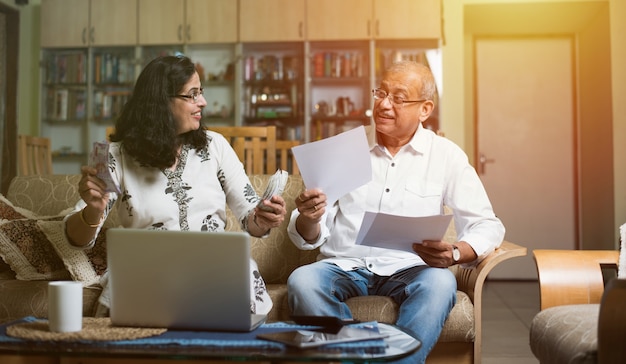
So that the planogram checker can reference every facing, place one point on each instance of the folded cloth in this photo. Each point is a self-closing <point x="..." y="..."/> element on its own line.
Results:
<point x="207" y="340"/>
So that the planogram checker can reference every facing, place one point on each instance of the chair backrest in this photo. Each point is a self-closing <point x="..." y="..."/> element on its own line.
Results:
<point x="34" y="155"/>
<point x="255" y="146"/>
<point x="571" y="277"/>
<point x="286" y="161"/>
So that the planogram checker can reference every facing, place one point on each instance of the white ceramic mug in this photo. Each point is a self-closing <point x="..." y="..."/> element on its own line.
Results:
<point x="65" y="306"/>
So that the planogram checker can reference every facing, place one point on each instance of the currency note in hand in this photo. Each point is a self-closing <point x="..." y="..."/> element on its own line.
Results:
<point x="99" y="159"/>
<point x="275" y="186"/>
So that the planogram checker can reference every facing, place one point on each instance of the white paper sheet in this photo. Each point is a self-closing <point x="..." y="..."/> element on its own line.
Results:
<point x="400" y="232"/>
<point x="336" y="165"/>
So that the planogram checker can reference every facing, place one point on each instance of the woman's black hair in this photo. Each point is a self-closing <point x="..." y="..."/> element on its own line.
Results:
<point x="146" y="126"/>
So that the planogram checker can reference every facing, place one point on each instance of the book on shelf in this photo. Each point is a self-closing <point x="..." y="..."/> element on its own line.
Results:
<point x="338" y="64"/>
<point x="112" y="68"/>
<point x="66" y="68"/>
<point x="66" y="104"/>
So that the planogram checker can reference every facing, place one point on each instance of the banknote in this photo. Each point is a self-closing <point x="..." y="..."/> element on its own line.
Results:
<point x="99" y="159"/>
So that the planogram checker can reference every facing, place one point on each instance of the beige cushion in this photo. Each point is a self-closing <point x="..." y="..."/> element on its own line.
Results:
<point x="566" y="334"/>
<point x="44" y="195"/>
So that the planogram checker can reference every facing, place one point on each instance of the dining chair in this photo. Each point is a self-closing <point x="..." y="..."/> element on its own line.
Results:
<point x="34" y="155"/>
<point x="255" y="146"/>
<point x="284" y="155"/>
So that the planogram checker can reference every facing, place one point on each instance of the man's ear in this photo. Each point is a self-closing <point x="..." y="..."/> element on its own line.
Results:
<point x="425" y="109"/>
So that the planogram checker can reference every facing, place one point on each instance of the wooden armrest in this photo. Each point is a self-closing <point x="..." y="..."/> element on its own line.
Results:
<point x="612" y="324"/>
<point x="569" y="277"/>
<point x="471" y="280"/>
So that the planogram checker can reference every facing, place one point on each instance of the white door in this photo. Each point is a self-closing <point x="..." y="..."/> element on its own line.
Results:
<point x="526" y="143"/>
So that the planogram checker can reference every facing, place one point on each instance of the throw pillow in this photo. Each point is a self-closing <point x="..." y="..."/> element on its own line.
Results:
<point x="10" y="212"/>
<point x="83" y="265"/>
<point x="29" y="253"/>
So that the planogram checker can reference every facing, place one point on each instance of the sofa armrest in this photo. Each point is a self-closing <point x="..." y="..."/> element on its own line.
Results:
<point x="470" y="280"/>
<point x="569" y="277"/>
<point x="612" y="324"/>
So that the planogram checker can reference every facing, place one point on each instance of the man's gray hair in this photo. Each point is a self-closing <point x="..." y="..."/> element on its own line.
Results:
<point x="423" y="72"/>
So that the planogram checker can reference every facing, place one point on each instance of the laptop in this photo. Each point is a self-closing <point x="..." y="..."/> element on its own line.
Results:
<point x="180" y="280"/>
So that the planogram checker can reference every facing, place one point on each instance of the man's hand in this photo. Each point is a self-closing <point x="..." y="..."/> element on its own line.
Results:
<point x="439" y="253"/>
<point x="311" y="204"/>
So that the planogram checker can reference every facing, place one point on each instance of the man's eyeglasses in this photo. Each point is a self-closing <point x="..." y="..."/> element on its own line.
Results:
<point x="380" y="94"/>
<point x="193" y="95"/>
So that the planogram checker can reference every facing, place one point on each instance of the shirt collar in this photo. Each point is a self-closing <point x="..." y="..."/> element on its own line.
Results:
<point x="419" y="143"/>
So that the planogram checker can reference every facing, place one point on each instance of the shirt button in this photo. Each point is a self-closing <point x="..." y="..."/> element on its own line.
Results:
<point x="370" y="265"/>
<point x="386" y="190"/>
<point x="393" y="164"/>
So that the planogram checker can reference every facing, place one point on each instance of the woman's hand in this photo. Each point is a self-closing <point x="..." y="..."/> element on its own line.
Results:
<point x="271" y="215"/>
<point x="92" y="189"/>
<point x="81" y="226"/>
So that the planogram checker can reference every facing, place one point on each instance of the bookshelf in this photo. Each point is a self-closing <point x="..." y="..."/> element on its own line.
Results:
<point x="307" y="77"/>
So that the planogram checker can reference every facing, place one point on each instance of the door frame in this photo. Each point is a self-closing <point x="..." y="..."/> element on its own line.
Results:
<point x="8" y="131"/>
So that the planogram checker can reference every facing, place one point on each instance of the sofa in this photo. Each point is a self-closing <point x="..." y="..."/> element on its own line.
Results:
<point x="582" y="318"/>
<point x="34" y="206"/>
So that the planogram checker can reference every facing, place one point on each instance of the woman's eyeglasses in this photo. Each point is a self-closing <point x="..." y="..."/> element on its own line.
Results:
<point x="193" y="95"/>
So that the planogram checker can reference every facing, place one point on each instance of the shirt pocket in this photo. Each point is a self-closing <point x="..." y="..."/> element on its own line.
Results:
<point x="423" y="199"/>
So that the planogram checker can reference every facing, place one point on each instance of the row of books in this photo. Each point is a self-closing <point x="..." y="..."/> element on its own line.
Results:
<point x="66" y="104"/>
<point x="113" y="68"/>
<point x="109" y="104"/>
<point x="338" y="64"/>
<point x="70" y="67"/>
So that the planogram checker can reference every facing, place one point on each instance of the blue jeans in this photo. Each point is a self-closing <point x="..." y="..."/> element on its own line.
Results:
<point x="425" y="295"/>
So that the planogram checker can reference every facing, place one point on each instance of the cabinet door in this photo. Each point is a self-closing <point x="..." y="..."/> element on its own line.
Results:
<point x="271" y="20"/>
<point x="161" y="22"/>
<point x="113" y="22"/>
<point x="407" y="19"/>
<point x="211" y="21"/>
<point x="60" y="30"/>
<point x="338" y="19"/>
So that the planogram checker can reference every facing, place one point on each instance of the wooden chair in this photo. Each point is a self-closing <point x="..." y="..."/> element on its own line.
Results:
<point x="572" y="284"/>
<point x="286" y="161"/>
<point x="255" y="146"/>
<point x="35" y="156"/>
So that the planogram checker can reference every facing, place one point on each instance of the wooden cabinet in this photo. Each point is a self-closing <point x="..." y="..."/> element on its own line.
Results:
<point x="271" y="20"/>
<point x="113" y="22"/>
<point x="161" y="22"/>
<point x="211" y="21"/>
<point x="339" y="19"/>
<point x="407" y="19"/>
<point x="60" y="30"/>
<point x="187" y="22"/>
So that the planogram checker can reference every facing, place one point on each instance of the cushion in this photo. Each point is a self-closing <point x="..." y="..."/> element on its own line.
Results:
<point x="566" y="334"/>
<point x="87" y="265"/>
<point x="29" y="253"/>
<point x="10" y="212"/>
